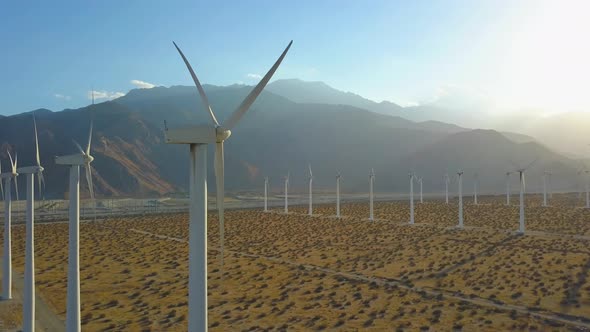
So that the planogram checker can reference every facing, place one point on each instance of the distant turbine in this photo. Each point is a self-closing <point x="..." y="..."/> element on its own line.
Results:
<point x="287" y="193"/>
<point x="508" y="188"/>
<point x="545" y="175"/>
<point x="29" y="291"/>
<point x="587" y="190"/>
<point x="475" y="189"/>
<point x="338" y="195"/>
<point x="371" y="183"/>
<point x="446" y="180"/>
<point x="521" y="225"/>
<point x="412" y="198"/>
<point x="197" y="137"/>
<point x="7" y="260"/>
<point x="460" y="175"/>
<point x="84" y="159"/>
<point x="421" y="197"/>
<point x="266" y="194"/>
<point x="310" y="210"/>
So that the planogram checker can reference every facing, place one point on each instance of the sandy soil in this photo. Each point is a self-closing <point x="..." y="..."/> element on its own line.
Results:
<point x="320" y="273"/>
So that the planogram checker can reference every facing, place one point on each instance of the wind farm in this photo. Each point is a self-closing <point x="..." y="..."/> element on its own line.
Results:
<point x="270" y="175"/>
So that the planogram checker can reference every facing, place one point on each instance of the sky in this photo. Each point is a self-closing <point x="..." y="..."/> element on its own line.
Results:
<point x="500" y="55"/>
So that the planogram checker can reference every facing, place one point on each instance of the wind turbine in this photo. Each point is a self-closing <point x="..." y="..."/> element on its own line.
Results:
<point x="198" y="136"/>
<point x="310" y="210"/>
<point x="521" y="226"/>
<point x="338" y="195"/>
<point x="84" y="159"/>
<point x="460" y="175"/>
<point x="411" y="198"/>
<point x="545" y="175"/>
<point x="587" y="189"/>
<point x="7" y="260"/>
<point x="287" y="193"/>
<point x="508" y="188"/>
<point x="447" y="181"/>
<point x="266" y="194"/>
<point x="421" y="197"/>
<point x="29" y="291"/>
<point x="475" y="188"/>
<point x="371" y="183"/>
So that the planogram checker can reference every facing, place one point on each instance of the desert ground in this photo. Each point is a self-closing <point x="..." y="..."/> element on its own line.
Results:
<point x="295" y="272"/>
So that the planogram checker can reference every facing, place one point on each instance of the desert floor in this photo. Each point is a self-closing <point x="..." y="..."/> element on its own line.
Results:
<point x="298" y="272"/>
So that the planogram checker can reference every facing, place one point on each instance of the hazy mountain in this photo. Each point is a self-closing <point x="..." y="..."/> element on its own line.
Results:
<point x="277" y="136"/>
<point x="320" y="93"/>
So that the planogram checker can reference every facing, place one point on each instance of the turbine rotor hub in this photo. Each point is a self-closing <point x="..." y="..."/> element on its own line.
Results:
<point x="222" y="134"/>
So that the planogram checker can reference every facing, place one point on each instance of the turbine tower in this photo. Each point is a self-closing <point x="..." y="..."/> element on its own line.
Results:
<point x="411" y="198"/>
<point x="7" y="260"/>
<point x="447" y="181"/>
<point x="287" y="193"/>
<point x="475" y="188"/>
<point x="310" y="209"/>
<point x="197" y="137"/>
<point x="84" y="159"/>
<point x="266" y="194"/>
<point x="421" y="197"/>
<point x="338" y="195"/>
<point x="587" y="189"/>
<point x="521" y="170"/>
<point x="545" y="174"/>
<point x="460" y="175"/>
<point x="29" y="291"/>
<point x="371" y="183"/>
<point x="508" y="188"/>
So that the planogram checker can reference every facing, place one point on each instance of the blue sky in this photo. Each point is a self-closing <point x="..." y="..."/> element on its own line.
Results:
<point x="509" y="53"/>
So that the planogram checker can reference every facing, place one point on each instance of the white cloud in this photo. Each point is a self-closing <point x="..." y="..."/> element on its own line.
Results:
<point x="254" y="76"/>
<point x="142" y="84"/>
<point x="63" y="97"/>
<point x="104" y="95"/>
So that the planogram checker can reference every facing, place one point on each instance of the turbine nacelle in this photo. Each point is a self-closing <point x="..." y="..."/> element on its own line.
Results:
<point x="74" y="159"/>
<point x="193" y="134"/>
<point x="30" y="170"/>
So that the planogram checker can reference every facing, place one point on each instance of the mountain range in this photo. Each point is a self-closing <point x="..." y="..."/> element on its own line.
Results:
<point x="292" y="124"/>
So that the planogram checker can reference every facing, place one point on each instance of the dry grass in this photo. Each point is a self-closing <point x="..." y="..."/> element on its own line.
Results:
<point x="296" y="274"/>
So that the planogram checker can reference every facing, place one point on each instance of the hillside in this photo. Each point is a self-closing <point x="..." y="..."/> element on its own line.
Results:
<point x="277" y="136"/>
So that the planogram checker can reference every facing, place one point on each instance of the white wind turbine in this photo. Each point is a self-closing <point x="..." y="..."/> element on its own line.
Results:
<point x="29" y="291"/>
<point x="586" y="171"/>
<point x="338" y="195"/>
<point x="521" y="170"/>
<point x="447" y="181"/>
<point x="310" y="210"/>
<point x="84" y="159"/>
<point x="266" y="194"/>
<point x="371" y="183"/>
<point x="460" y="182"/>
<point x="475" y="178"/>
<point x="508" y="188"/>
<point x="287" y="193"/>
<point x="412" y="198"/>
<point x="198" y="136"/>
<point x="7" y="260"/>
<point x="421" y="197"/>
<point x="545" y="175"/>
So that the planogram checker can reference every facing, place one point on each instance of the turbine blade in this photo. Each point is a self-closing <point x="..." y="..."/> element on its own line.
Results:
<point x="37" y="158"/>
<point x="88" y="169"/>
<point x="89" y="138"/>
<point x="531" y="163"/>
<point x="39" y="181"/>
<point x="310" y="173"/>
<point x="220" y="194"/>
<point x="243" y="108"/>
<point x="16" y="186"/>
<point x="79" y="147"/>
<point x="11" y="162"/>
<point x="204" y="98"/>
<point x="2" y="187"/>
